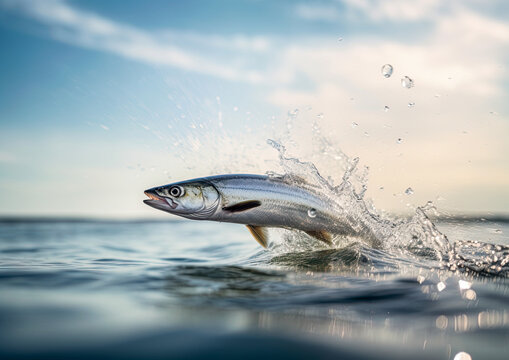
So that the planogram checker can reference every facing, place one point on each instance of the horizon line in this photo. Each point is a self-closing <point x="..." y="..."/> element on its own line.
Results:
<point x="34" y="218"/>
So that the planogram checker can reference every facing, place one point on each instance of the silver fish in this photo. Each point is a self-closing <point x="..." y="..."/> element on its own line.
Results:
<point x="259" y="202"/>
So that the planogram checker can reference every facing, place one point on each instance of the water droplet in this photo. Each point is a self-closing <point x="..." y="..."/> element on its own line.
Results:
<point x="470" y="294"/>
<point x="104" y="127"/>
<point x="441" y="286"/>
<point x="464" y="285"/>
<point x="420" y="279"/>
<point x="293" y="113"/>
<point x="340" y="38"/>
<point x="399" y="141"/>
<point x="437" y="95"/>
<point x="386" y="108"/>
<point x="366" y="134"/>
<point x="354" y="124"/>
<point x="406" y="82"/>
<point x="363" y="190"/>
<point x="320" y="116"/>
<point x="387" y="70"/>
<point x="409" y="191"/>
<point x="235" y="108"/>
<point x="462" y="356"/>
<point x="218" y="100"/>
<point x="312" y="213"/>
<point x="441" y="322"/>
<point x="411" y="104"/>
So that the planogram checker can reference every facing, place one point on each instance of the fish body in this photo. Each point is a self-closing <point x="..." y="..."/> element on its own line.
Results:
<point x="257" y="201"/>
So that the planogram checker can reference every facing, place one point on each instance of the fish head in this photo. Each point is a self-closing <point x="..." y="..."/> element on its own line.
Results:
<point x="195" y="199"/>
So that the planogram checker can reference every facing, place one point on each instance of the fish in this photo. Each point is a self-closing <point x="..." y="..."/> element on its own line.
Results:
<point x="258" y="201"/>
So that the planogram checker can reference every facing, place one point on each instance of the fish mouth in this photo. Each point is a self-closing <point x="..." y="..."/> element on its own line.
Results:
<point x="158" y="202"/>
<point x="152" y="195"/>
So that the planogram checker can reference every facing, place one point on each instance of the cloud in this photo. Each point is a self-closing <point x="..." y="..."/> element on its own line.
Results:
<point x="317" y="12"/>
<point x="396" y="10"/>
<point x="81" y="28"/>
<point x="462" y="51"/>
<point x="448" y="52"/>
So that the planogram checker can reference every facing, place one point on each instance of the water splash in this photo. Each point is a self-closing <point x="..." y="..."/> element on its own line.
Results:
<point x="480" y="258"/>
<point x="414" y="238"/>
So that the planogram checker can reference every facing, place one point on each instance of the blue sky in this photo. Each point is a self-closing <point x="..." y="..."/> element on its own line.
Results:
<point x="100" y="100"/>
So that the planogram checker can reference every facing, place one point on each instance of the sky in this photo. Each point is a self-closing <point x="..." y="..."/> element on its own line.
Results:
<point x="101" y="100"/>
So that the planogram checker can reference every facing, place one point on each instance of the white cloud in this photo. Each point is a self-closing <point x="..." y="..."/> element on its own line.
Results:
<point x="396" y="10"/>
<point x="448" y="52"/>
<point x="317" y="12"/>
<point x="81" y="28"/>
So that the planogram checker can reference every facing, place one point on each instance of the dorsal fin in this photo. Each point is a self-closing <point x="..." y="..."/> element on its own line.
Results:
<point x="259" y="233"/>
<point x="321" y="235"/>
<point x="242" y="206"/>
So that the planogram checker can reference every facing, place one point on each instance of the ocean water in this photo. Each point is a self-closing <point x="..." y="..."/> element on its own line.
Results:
<point x="180" y="289"/>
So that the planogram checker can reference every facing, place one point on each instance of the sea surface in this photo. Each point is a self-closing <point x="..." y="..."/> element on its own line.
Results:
<point x="181" y="289"/>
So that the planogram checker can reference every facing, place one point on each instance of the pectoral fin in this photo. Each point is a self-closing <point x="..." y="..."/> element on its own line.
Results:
<point x="242" y="206"/>
<point x="260" y="234"/>
<point x="321" y="235"/>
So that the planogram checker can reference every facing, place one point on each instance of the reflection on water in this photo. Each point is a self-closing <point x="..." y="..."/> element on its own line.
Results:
<point x="108" y="289"/>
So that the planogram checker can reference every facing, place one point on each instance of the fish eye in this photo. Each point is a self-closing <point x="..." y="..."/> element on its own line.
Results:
<point x="176" y="191"/>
